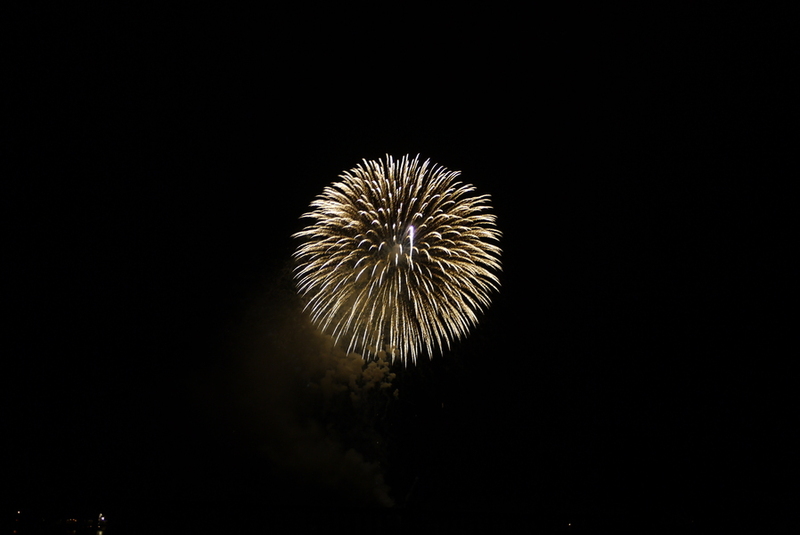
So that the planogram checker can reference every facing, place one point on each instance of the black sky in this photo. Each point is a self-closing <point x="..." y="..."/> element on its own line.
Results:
<point x="630" y="362"/>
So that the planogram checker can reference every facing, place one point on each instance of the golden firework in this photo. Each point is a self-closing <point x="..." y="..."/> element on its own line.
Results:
<point x="399" y="255"/>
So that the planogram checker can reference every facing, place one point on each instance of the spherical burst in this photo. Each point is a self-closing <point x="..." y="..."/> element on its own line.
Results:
<point x="400" y="254"/>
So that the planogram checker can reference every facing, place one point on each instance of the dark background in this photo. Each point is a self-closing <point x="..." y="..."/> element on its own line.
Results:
<point x="630" y="367"/>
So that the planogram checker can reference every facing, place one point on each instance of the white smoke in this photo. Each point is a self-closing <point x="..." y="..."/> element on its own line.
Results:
<point x="311" y="407"/>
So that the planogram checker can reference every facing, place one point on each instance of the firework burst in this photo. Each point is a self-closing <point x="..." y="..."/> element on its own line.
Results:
<point x="400" y="254"/>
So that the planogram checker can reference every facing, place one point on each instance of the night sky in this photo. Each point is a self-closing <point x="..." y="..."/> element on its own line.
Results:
<point x="629" y="368"/>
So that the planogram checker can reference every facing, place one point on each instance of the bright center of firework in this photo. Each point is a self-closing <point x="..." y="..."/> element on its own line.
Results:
<point x="399" y="255"/>
<point x="402" y="251"/>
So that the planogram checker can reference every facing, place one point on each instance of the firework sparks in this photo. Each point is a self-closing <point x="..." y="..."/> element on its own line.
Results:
<point x="400" y="254"/>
